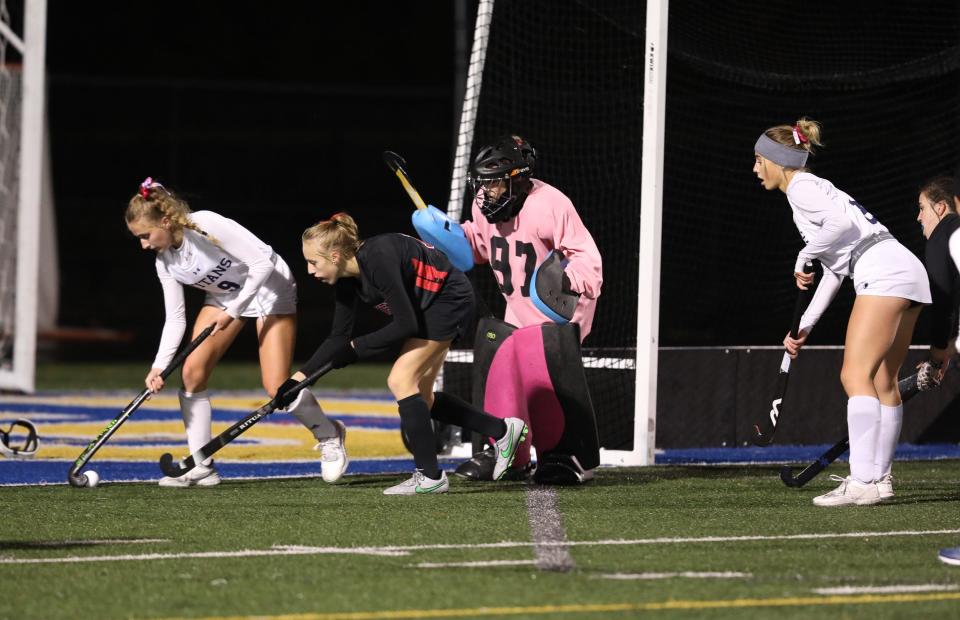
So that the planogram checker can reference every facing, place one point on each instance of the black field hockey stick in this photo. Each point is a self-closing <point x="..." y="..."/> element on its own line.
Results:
<point x="909" y="387"/>
<point x="175" y="470"/>
<point x="399" y="167"/>
<point x="764" y="430"/>
<point x="74" y="476"/>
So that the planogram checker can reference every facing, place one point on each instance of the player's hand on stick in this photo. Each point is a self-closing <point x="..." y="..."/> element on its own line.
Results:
<point x="929" y="374"/>
<point x="154" y="381"/>
<point x="804" y="280"/>
<point x="284" y="396"/>
<point x="793" y="345"/>
<point x="221" y="321"/>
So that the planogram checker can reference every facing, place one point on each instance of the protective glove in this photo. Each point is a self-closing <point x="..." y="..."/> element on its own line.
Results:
<point x="929" y="375"/>
<point x="285" y="395"/>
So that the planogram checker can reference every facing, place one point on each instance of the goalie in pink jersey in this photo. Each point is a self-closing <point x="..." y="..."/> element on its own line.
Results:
<point x="518" y="224"/>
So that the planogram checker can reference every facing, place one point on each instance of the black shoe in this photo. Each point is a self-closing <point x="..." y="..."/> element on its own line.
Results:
<point x="479" y="467"/>
<point x="561" y="469"/>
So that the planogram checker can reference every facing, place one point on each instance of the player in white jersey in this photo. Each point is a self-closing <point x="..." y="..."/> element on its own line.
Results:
<point x="891" y="286"/>
<point x="242" y="278"/>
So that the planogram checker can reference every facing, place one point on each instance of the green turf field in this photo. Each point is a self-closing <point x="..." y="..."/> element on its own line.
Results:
<point x="657" y="542"/>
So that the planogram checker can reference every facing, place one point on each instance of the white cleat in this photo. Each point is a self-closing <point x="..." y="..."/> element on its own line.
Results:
<point x="851" y="492"/>
<point x="333" y="454"/>
<point x="418" y="484"/>
<point x="199" y="476"/>
<point x="506" y="446"/>
<point x="885" y="486"/>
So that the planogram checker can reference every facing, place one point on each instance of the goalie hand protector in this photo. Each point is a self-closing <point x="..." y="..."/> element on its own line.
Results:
<point x="437" y="229"/>
<point x="14" y="447"/>
<point x="928" y="375"/>
<point x="550" y="289"/>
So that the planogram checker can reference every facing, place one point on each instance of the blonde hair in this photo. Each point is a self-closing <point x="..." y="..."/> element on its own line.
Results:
<point x="338" y="233"/>
<point x="153" y="202"/>
<point x="807" y="133"/>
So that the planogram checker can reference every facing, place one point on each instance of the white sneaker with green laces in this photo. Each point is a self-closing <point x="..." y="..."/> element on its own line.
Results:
<point x="850" y="492"/>
<point x="418" y="484"/>
<point x="885" y="486"/>
<point x="507" y="445"/>
<point x="199" y="476"/>
<point x="333" y="455"/>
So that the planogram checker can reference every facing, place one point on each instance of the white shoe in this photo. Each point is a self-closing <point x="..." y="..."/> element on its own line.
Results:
<point x="506" y="446"/>
<point x="885" y="486"/>
<point x="418" y="484"/>
<point x="850" y="492"/>
<point x="333" y="455"/>
<point x="199" y="476"/>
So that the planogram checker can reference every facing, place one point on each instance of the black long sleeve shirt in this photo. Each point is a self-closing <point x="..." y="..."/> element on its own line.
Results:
<point x="944" y="281"/>
<point x="400" y="276"/>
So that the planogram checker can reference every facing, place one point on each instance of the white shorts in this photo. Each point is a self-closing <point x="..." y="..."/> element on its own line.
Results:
<point x="277" y="295"/>
<point x="890" y="270"/>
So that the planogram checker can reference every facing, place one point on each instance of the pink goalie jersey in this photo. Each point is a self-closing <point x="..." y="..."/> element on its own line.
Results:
<point x="547" y="222"/>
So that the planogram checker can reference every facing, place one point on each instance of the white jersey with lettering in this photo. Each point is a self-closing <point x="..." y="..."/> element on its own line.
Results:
<point x="829" y="220"/>
<point x="832" y="224"/>
<point x="239" y="273"/>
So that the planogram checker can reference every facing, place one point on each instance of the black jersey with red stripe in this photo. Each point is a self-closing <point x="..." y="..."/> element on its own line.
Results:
<point x="400" y="276"/>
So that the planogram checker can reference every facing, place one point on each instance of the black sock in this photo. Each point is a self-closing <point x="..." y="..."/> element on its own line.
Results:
<point x="415" y="424"/>
<point x="449" y="409"/>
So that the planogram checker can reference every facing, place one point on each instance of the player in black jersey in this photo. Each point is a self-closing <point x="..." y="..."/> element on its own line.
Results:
<point x="430" y="303"/>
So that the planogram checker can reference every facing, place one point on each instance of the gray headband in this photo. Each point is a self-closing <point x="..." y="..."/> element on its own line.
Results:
<point x="781" y="154"/>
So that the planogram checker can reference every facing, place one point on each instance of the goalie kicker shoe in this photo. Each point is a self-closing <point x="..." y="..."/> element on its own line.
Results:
<point x="480" y="468"/>
<point x="850" y="492"/>
<point x="418" y="484"/>
<point x="885" y="486"/>
<point x="506" y="446"/>
<point x="333" y="456"/>
<point x="199" y="476"/>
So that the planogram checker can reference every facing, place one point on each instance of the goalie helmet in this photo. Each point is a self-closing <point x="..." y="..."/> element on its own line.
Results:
<point x="22" y="445"/>
<point x="509" y="160"/>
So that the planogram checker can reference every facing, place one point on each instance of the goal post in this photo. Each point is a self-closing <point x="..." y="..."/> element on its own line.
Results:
<point x="22" y="137"/>
<point x="574" y="79"/>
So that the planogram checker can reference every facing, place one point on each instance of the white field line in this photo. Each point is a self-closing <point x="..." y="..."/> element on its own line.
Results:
<point x="886" y="589"/>
<point x="546" y="527"/>
<point x="474" y="564"/>
<point x="399" y="550"/>
<point x="682" y="574"/>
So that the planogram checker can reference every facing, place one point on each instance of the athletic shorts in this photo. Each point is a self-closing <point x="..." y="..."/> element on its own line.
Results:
<point x="451" y="313"/>
<point x="890" y="270"/>
<point x="277" y="295"/>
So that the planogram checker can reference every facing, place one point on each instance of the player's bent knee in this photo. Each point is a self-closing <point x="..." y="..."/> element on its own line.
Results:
<point x="194" y="377"/>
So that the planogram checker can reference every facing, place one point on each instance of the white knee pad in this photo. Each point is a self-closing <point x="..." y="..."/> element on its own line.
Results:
<point x="306" y="409"/>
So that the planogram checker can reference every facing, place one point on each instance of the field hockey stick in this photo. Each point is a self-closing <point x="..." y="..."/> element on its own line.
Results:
<point x="399" y="167"/>
<point x="909" y="387"/>
<point x="763" y="432"/>
<point x="80" y="480"/>
<point x="175" y="470"/>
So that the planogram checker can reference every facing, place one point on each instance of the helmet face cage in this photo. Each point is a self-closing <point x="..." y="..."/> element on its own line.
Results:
<point x="510" y="159"/>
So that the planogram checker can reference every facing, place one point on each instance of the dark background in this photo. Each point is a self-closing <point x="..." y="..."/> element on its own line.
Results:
<point x="276" y="115"/>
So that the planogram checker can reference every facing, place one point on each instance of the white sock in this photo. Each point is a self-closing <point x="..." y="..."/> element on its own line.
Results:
<point x="863" y="426"/>
<point x="197" y="413"/>
<point x="891" y="419"/>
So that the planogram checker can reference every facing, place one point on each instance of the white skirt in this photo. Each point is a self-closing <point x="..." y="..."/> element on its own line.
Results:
<point x="890" y="270"/>
<point x="277" y="295"/>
